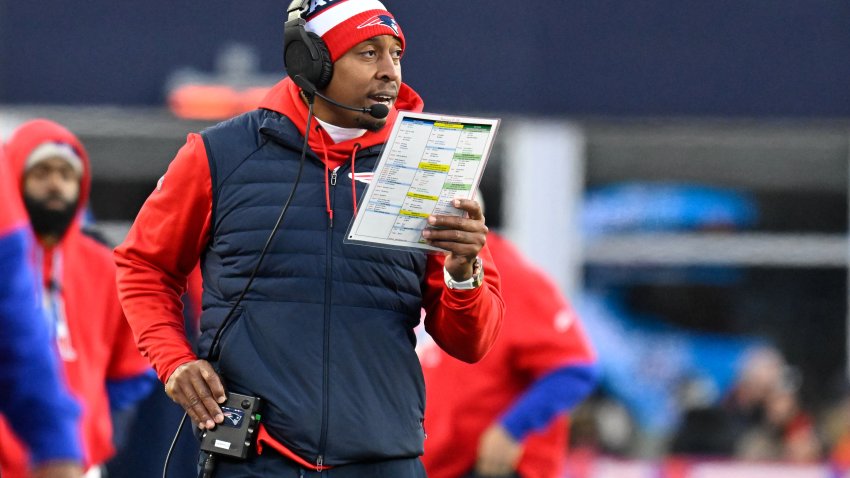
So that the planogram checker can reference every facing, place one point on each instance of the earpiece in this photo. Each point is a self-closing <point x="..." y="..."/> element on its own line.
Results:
<point x="304" y="53"/>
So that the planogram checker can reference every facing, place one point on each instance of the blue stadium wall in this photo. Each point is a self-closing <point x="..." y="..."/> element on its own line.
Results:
<point x="744" y="58"/>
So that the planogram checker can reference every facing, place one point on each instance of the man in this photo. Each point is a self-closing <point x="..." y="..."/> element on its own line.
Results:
<point x="324" y="333"/>
<point x="34" y="399"/>
<point x="79" y="295"/>
<point x="506" y="416"/>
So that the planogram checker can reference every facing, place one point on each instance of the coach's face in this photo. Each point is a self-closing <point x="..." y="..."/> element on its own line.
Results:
<point x="367" y="74"/>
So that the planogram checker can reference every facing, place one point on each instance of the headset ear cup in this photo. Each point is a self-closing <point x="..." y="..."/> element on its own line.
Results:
<point x="299" y="46"/>
<point x="296" y="53"/>
<point x="326" y="70"/>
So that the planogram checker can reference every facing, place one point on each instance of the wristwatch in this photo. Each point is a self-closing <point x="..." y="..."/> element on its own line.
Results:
<point x="472" y="283"/>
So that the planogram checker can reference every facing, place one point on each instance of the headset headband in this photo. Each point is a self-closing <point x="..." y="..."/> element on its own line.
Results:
<point x="297" y="9"/>
<point x="304" y="53"/>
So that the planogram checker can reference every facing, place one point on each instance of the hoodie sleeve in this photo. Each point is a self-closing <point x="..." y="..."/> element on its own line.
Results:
<point x="163" y="246"/>
<point x="464" y="323"/>
<point x="30" y="376"/>
<point x="129" y="377"/>
<point x="556" y="393"/>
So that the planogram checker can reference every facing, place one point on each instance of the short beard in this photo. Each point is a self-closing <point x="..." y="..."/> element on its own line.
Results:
<point x="49" y="222"/>
<point x="369" y="123"/>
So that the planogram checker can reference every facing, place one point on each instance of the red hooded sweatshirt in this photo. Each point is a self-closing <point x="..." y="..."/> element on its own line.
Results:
<point x="541" y="334"/>
<point x="99" y="344"/>
<point x="173" y="229"/>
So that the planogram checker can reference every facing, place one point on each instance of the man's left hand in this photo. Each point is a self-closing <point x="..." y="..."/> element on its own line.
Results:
<point x="463" y="237"/>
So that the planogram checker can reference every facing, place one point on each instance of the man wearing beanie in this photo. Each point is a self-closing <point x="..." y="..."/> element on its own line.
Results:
<point x="102" y="366"/>
<point x="320" y="330"/>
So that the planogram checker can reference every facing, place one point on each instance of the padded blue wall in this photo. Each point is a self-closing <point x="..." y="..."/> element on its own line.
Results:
<point x="760" y="58"/>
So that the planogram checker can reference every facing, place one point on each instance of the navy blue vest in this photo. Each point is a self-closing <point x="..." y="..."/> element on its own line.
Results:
<point x="324" y="335"/>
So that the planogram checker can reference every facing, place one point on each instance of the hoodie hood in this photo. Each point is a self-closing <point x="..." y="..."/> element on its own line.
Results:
<point x="11" y="213"/>
<point x="30" y="135"/>
<point x="285" y="98"/>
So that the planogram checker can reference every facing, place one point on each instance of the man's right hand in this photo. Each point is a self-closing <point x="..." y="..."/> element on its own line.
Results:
<point x="58" y="469"/>
<point x="197" y="388"/>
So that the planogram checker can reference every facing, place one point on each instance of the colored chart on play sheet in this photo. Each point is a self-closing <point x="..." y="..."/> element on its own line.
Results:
<point x="428" y="161"/>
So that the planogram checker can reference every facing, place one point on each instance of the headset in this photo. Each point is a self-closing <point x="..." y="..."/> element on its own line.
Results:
<point x="308" y="61"/>
<point x="305" y="53"/>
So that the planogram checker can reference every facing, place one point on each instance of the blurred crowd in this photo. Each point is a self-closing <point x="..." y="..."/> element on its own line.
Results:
<point x="762" y="418"/>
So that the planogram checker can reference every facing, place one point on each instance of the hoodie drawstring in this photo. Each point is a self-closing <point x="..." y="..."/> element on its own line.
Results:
<point x="354" y="151"/>
<point x="353" y="187"/>
<point x="49" y="261"/>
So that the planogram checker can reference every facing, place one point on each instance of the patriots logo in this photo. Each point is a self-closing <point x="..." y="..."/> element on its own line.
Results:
<point x="362" y="177"/>
<point x="385" y="20"/>
<point x="233" y="417"/>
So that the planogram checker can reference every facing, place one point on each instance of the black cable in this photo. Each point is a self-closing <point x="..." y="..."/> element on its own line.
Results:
<point x="209" y="466"/>
<point x="211" y="355"/>
<point x="171" y="447"/>
<point x="221" y="328"/>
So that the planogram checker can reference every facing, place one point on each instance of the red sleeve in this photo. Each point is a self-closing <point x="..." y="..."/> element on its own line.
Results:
<point x="161" y="249"/>
<point x="126" y="361"/>
<point x="542" y="329"/>
<point x="464" y="323"/>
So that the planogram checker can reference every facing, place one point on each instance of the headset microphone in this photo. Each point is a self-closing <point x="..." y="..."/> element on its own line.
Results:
<point x="377" y="111"/>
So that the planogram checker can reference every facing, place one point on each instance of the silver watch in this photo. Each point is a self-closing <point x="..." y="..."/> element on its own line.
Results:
<point x="472" y="283"/>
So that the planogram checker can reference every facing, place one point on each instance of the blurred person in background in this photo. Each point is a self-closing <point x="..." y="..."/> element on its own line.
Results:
<point x="764" y="414"/>
<point x="778" y="427"/>
<point x="760" y="419"/>
<point x="34" y="399"/>
<point x="507" y="415"/>
<point x="102" y="365"/>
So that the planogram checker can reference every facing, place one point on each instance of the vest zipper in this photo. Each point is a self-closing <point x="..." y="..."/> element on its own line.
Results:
<point x="333" y="183"/>
<point x="323" y="439"/>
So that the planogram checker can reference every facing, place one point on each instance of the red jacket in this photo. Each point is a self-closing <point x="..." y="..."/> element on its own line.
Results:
<point x="99" y="335"/>
<point x="540" y="334"/>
